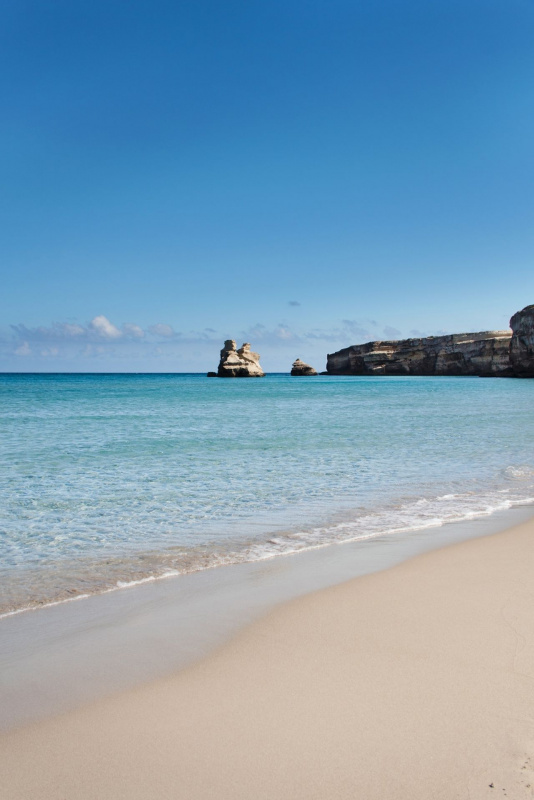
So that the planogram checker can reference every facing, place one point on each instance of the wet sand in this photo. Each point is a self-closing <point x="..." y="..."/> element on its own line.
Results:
<point x="415" y="682"/>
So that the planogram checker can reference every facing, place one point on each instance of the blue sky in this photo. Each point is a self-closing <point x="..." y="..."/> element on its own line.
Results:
<point x="300" y="175"/>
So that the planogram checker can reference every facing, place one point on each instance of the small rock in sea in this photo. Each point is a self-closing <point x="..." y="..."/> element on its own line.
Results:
<point x="299" y="368"/>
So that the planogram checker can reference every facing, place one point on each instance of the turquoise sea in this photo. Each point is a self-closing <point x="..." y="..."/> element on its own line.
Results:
<point x="110" y="479"/>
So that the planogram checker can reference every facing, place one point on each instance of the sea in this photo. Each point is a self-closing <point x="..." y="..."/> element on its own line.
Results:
<point x="108" y="480"/>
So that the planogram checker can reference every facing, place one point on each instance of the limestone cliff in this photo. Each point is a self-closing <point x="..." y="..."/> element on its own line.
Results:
<point x="300" y="369"/>
<point x="490" y="353"/>
<point x="522" y="344"/>
<point x="485" y="353"/>
<point x="242" y="363"/>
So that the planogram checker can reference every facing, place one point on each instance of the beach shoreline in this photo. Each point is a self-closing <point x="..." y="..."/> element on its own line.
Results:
<point x="91" y="647"/>
<point x="412" y="682"/>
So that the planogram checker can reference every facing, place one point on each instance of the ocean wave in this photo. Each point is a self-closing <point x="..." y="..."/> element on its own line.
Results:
<point x="405" y="515"/>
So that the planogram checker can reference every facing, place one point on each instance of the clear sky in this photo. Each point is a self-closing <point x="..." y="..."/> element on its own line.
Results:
<point x="300" y="174"/>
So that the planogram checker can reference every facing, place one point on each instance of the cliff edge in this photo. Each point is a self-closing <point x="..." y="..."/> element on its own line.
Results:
<point x="487" y="353"/>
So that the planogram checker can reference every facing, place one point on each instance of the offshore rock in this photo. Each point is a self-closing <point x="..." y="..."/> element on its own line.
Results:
<point x="299" y="368"/>
<point x="486" y="353"/>
<point x="242" y="363"/>
<point x="522" y="344"/>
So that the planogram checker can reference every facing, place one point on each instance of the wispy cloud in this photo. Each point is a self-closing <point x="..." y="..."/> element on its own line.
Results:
<point x="133" y="330"/>
<point x="23" y="349"/>
<point x="102" y="331"/>
<point x="162" y="329"/>
<point x="56" y="332"/>
<point x="356" y="328"/>
<point x="107" y="343"/>
<point x="99" y="328"/>
<point x="294" y="303"/>
<point x="392" y="333"/>
<point x="281" y="334"/>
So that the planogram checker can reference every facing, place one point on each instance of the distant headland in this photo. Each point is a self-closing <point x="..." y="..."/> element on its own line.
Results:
<point x="486" y="354"/>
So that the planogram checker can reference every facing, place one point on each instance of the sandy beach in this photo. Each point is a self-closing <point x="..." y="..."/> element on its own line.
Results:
<point x="416" y="682"/>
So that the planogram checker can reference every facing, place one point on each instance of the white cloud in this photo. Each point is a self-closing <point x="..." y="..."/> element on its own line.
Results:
<point x="23" y="349"/>
<point x="104" y="328"/>
<point x="99" y="329"/>
<point x="162" y="329"/>
<point x="133" y="330"/>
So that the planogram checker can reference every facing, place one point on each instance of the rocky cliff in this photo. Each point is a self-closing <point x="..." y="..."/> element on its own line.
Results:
<point x="522" y="344"/>
<point x="489" y="353"/>
<point x="242" y="363"/>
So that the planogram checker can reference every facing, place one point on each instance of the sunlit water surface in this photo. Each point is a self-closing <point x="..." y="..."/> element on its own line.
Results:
<point x="109" y="479"/>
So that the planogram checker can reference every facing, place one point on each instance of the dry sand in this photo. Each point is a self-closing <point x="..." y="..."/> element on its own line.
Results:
<point x="413" y="683"/>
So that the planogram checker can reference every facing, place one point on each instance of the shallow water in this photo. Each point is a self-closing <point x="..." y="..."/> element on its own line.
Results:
<point x="57" y="658"/>
<point x="108" y="479"/>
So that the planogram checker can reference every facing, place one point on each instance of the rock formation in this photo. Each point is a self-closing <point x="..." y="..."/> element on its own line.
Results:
<point x="522" y="344"/>
<point x="299" y="368"/>
<point x="242" y="363"/>
<point x="456" y="354"/>
<point x="489" y="353"/>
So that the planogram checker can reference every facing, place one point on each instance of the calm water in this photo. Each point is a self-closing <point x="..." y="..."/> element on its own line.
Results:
<point x="108" y="479"/>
